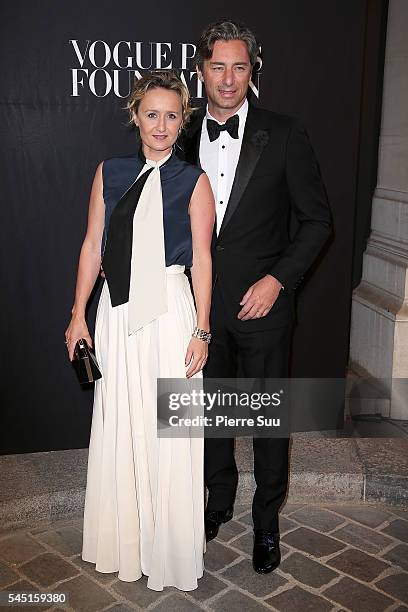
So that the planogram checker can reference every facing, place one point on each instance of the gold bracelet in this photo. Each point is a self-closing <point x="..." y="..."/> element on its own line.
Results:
<point x="202" y="335"/>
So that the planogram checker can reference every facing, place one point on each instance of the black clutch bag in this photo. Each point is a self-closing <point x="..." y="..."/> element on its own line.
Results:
<point x="85" y="363"/>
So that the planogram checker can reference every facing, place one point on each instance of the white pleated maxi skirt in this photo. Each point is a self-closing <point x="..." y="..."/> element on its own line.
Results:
<point x="144" y="501"/>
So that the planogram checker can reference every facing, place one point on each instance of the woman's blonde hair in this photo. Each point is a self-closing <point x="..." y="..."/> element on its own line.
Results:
<point x="166" y="79"/>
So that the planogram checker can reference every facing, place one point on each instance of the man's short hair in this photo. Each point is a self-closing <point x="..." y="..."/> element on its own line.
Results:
<point x="225" y="30"/>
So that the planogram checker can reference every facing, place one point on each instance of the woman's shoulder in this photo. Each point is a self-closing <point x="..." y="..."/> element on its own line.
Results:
<point x="121" y="161"/>
<point x="192" y="169"/>
<point x="121" y="168"/>
<point x="118" y="173"/>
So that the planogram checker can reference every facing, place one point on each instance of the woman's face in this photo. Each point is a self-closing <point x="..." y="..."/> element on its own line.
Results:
<point x="159" y="118"/>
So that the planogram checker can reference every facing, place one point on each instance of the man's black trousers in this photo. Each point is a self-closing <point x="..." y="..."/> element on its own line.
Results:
<point x="244" y="354"/>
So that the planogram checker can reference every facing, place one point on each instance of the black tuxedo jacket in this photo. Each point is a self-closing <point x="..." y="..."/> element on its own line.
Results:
<point x="277" y="179"/>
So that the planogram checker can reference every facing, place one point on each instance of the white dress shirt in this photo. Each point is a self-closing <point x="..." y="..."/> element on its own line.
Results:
<point x="219" y="160"/>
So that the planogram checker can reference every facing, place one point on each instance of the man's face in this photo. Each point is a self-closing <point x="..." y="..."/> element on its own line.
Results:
<point x="226" y="76"/>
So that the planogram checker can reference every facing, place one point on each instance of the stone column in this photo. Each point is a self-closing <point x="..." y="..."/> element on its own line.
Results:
<point x="379" y="322"/>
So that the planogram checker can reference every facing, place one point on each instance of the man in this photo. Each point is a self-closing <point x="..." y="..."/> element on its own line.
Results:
<point x="262" y="170"/>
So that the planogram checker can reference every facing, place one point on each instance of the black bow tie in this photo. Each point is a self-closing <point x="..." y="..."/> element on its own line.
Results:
<point x="214" y="128"/>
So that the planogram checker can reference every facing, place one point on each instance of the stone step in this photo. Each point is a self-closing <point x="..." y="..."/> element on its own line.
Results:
<point x="45" y="486"/>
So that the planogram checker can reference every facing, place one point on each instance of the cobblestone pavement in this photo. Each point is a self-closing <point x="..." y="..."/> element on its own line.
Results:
<point x="334" y="557"/>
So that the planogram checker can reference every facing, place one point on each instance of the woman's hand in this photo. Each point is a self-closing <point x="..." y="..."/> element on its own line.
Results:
<point x="76" y="329"/>
<point x="196" y="356"/>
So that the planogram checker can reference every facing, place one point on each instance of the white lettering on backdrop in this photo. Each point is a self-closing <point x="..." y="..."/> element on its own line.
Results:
<point x="103" y="69"/>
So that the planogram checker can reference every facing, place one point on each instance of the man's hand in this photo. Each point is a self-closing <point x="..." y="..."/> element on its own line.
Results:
<point x="259" y="298"/>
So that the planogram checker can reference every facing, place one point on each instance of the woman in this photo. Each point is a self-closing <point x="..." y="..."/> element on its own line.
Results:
<point x="154" y="214"/>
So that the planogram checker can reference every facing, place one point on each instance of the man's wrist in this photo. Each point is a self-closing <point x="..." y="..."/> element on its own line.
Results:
<point x="281" y="287"/>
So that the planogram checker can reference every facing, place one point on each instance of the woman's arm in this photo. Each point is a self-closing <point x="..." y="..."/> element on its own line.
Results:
<point x="89" y="265"/>
<point x="202" y="216"/>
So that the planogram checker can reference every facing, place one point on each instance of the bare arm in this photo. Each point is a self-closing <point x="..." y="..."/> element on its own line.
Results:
<point x="89" y="265"/>
<point x="202" y="216"/>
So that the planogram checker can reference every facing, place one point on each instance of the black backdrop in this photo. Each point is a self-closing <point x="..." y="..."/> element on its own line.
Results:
<point x="313" y="55"/>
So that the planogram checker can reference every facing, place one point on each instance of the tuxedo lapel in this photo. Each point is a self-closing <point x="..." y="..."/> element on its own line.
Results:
<point x="254" y="140"/>
<point x="192" y="139"/>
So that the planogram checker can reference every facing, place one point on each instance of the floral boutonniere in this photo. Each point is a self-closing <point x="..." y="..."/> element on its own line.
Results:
<point x="260" y="138"/>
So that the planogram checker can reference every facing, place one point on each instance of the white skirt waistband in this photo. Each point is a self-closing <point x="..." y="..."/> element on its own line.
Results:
<point x="175" y="269"/>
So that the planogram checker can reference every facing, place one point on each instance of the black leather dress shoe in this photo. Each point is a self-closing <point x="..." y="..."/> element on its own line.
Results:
<point x="266" y="555"/>
<point x="213" y="520"/>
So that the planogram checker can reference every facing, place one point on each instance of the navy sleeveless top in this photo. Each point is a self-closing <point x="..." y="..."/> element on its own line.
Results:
<point x="178" y="180"/>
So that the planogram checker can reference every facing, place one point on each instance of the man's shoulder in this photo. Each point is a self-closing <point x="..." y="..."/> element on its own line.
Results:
<point x="195" y="120"/>
<point x="272" y="118"/>
<point x="198" y="113"/>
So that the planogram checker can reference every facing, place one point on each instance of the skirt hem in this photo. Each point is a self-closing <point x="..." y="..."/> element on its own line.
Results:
<point x="152" y="588"/>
